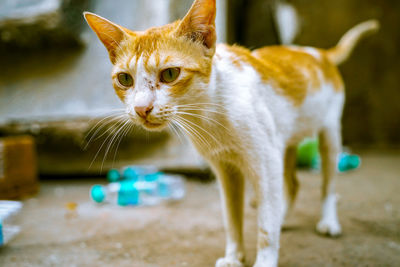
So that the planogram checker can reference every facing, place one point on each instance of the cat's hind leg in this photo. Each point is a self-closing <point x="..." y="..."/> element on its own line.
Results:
<point x="232" y="194"/>
<point x="330" y="145"/>
<point x="291" y="183"/>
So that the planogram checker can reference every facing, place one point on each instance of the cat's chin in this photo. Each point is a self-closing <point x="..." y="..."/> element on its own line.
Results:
<point x="156" y="127"/>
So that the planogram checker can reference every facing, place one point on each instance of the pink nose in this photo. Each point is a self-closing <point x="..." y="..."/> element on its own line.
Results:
<point x="143" y="111"/>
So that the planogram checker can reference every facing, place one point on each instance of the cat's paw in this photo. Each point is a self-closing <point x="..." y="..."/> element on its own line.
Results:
<point x="227" y="262"/>
<point x="329" y="227"/>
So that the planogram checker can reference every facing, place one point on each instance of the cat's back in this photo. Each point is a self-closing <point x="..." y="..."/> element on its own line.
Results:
<point x="293" y="71"/>
<point x="299" y="71"/>
<point x="298" y="85"/>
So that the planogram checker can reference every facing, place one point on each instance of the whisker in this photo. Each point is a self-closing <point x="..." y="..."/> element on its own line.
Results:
<point x="122" y="136"/>
<point x="195" y="138"/>
<point x="110" y="144"/>
<point x="94" y="138"/>
<point x="175" y="131"/>
<point x="194" y="131"/>
<point x="107" y="138"/>
<point x="205" y="118"/>
<point x="197" y="104"/>
<point x="201" y="109"/>
<point x="99" y="122"/>
<point x="198" y="126"/>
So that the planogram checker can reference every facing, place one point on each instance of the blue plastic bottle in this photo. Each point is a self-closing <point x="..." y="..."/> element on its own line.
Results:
<point x="132" y="172"/>
<point x="347" y="162"/>
<point x="157" y="188"/>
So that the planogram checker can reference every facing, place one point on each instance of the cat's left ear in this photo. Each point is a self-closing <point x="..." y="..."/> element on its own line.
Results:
<point x="110" y="34"/>
<point x="199" y="23"/>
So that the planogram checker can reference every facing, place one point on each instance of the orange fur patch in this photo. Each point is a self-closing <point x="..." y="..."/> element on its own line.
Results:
<point x="292" y="73"/>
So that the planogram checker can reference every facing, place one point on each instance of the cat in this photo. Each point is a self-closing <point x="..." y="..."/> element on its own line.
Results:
<point x="244" y="111"/>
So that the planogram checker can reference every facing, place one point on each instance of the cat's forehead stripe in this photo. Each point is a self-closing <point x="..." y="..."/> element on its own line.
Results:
<point x="149" y="41"/>
<point x="132" y="62"/>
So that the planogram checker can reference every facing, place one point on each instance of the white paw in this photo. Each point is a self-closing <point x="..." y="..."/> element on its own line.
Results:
<point x="226" y="262"/>
<point x="329" y="227"/>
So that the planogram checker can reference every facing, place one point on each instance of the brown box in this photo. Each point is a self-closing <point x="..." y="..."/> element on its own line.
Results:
<point x="18" y="167"/>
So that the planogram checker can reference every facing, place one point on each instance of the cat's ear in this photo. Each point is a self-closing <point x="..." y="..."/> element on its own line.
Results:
<point x="110" y="34"/>
<point x="199" y="23"/>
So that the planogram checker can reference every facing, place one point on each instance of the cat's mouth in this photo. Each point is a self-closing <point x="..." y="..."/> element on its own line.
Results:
<point x="149" y="125"/>
<point x="153" y="126"/>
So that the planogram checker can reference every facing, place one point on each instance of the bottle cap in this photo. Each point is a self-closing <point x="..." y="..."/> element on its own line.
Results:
<point x="97" y="193"/>
<point x="113" y="175"/>
<point x="354" y="161"/>
<point x="130" y="173"/>
<point x="348" y="162"/>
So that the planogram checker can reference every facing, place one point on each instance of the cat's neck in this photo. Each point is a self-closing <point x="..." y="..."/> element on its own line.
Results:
<point x="211" y="127"/>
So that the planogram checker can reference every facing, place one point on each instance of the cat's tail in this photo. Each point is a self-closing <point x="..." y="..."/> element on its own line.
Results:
<point x="343" y="49"/>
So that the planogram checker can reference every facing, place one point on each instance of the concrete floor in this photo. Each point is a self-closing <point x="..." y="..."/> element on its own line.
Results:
<point x="190" y="232"/>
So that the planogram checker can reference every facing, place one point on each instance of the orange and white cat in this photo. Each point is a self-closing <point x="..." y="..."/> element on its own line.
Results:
<point x="245" y="112"/>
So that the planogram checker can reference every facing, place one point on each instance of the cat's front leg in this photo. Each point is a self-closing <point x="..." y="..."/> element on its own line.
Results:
<point x="232" y="195"/>
<point x="269" y="190"/>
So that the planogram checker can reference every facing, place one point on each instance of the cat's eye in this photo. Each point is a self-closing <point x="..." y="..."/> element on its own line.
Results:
<point x="125" y="79"/>
<point x="169" y="75"/>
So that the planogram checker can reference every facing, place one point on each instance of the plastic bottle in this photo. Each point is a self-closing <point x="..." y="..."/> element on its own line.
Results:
<point x="132" y="172"/>
<point x="308" y="156"/>
<point x="347" y="162"/>
<point x="157" y="188"/>
<point x="8" y="209"/>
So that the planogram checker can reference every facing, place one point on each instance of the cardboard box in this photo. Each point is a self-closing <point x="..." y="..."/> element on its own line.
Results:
<point x="18" y="167"/>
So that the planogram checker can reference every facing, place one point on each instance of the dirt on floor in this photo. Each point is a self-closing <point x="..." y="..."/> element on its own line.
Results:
<point x="190" y="232"/>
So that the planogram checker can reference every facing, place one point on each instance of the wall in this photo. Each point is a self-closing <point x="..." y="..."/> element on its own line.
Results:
<point x="372" y="112"/>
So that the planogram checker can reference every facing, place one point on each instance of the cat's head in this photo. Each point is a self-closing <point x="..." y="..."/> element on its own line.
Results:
<point x="158" y="70"/>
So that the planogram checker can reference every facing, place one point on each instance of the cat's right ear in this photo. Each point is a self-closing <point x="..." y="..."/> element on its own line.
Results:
<point x="110" y="34"/>
<point x="199" y="23"/>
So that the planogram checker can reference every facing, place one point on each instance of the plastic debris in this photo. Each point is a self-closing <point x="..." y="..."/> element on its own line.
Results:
<point x="308" y="156"/>
<point x="8" y="209"/>
<point x="132" y="172"/>
<point x="140" y="187"/>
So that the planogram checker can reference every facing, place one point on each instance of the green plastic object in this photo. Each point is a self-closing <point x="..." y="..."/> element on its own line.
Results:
<point x="307" y="153"/>
<point x="113" y="175"/>
<point x="97" y="193"/>
<point x="308" y="156"/>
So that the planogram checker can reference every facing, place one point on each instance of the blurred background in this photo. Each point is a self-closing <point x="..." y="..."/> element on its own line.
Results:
<point x="56" y="123"/>
<point x="55" y="85"/>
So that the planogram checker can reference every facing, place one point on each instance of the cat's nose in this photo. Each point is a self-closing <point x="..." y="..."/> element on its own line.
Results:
<point x="143" y="111"/>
